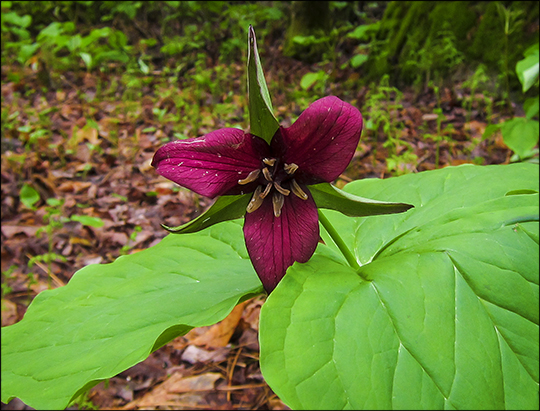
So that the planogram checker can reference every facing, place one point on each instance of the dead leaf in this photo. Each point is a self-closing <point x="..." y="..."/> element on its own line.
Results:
<point x="476" y="128"/>
<point x="203" y="382"/>
<point x="89" y="134"/>
<point x="249" y="339"/>
<point x="9" y="312"/>
<point x="92" y="259"/>
<point x="218" y="335"/>
<point x="430" y="117"/>
<point x="60" y="95"/>
<point x="78" y="240"/>
<point x="10" y="230"/>
<point x="252" y="312"/>
<point x="167" y="393"/>
<point x="74" y="186"/>
<point x="458" y="162"/>
<point x="193" y="354"/>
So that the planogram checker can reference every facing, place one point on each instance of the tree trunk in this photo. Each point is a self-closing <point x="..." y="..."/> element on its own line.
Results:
<point x="308" y="18"/>
<point x="422" y="40"/>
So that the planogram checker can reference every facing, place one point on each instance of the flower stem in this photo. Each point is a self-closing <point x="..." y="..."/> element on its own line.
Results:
<point x="339" y="241"/>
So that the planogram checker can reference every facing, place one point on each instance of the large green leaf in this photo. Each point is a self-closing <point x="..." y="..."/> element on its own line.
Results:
<point x="110" y="317"/>
<point x="263" y="123"/>
<point x="443" y="312"/>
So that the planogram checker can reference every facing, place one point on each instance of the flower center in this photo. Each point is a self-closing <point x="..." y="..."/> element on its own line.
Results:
<point x="275" y="179"/>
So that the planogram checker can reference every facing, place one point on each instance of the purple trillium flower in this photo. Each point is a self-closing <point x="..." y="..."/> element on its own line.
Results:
<point x="281" y="224"/>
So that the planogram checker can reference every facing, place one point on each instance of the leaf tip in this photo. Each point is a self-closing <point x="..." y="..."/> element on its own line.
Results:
<point x="170" y="229"/>
<point x="252" y="42"/>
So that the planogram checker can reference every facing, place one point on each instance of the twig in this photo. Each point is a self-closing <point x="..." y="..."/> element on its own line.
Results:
<point x="230" y="374"/>
<point x="56" y="280"/>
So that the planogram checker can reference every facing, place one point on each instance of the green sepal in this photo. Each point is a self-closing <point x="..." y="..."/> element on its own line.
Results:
<point x="261" y="114"/>
<point x="224" y="209"/>
<point x="328" y="196"/>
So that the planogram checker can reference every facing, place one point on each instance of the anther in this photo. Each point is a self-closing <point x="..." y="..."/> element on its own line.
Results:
<point x="290" y="168"/>
<point x="266" y="174"/>
<point x="282" y="190"/>
<point x="297" y="190"/>
<point x="256" y="200"/>
<point x="277" y="202"/>
<point x="269" y="161"/>
<point x="266" y="190"/>
<point x="251" y="177"/>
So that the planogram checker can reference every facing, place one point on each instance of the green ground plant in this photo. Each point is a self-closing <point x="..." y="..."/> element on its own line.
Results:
<point x="6" y="276"/>
<point x="442" y="134"/>
<point x="481" y="95"/>
<point x="437" y="57"/>
<point x="315" y="81"/>
<point x="521" y="133"/>
<point x="383" y="105"/>
<point x="132" y="238"/>
<point x="55" y="220"/>
<point x="366" y="34"/>
<point x="511" y="21"/>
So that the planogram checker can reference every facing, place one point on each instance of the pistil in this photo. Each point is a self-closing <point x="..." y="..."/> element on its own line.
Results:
<point x="265" y="188"/>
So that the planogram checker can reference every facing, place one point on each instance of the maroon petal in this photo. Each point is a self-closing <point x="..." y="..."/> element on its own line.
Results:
<point x="275" y="243"/>
<point x="212" y="165"/>
<point x="322" y="141"/>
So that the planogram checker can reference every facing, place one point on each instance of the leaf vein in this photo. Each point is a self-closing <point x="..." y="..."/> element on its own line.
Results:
<point x="401" y="340"/>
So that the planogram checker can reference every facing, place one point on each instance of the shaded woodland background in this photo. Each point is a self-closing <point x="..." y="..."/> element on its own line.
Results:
<point x="91" y="89"/>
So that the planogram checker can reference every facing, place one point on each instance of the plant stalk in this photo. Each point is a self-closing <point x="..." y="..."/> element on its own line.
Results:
<point x="437" y="155"/>
<point x="339" y="242"/>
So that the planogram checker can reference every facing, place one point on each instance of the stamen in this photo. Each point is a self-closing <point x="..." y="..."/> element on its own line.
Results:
<point x="297" y="190"/>
<point x="282" y="190"/>
<point x="277" y="202"/>
<point x="290" y="168"/>
<point x="269" y="161"/>
<point x="266" y="174"/>
<point x="251" y="177"/>
<point x="266" y="190"/>
<point x="256" y="200"/>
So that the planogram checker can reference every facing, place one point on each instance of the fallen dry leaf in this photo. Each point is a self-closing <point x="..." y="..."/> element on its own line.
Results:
<point x="475" y="128"/>
<point x="9" y="312"/>
<point x="193" y="354"/>
<point x="430" y="117"/>
<point x="218" y="335"/>
<point x="167" y="393"/>
<point x="74" y="186"/>
<point x="10" y="230"/>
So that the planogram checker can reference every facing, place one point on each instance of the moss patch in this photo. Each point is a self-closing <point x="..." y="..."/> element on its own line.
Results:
<point x="426" y="40"/>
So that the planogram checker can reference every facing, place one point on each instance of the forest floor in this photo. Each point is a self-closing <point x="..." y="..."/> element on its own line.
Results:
<point x="88" y="143"/>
